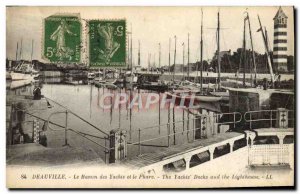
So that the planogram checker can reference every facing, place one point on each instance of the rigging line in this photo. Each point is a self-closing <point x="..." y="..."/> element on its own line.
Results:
<point x="228" y="59"/>
<point x="206" y="51"/>
<point x="287" y="101"/>
<point x="240" y="63"/>
<point x="223" y="39"/>
<point x="213" y="42"/>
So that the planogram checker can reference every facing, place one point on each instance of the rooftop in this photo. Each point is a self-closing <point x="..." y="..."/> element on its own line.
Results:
<point x="280" y="14"/>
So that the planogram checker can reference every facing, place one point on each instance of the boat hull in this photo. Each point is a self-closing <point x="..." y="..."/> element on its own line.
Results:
<point x="197" y="98"/>
<point x="22" y="76"/>
<point x="224" y="95"/>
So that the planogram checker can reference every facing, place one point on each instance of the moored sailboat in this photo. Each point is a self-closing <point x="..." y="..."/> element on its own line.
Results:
<point x="24" y="70"/>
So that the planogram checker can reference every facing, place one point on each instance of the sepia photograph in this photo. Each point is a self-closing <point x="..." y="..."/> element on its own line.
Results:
<point x="150" y="97"/>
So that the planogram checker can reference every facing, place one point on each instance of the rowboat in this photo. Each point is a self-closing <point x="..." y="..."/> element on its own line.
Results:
<point x="108" y="85"/>
<point x="207" y="98"/>
<point x="224" y="95"/>
<point x="197" y="98"/>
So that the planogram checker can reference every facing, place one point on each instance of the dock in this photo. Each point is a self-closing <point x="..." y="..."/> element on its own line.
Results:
<point x="164" y="156"/>
<point x="32" y="154"/>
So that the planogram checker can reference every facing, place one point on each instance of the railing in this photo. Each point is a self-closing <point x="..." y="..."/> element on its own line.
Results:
<point x="269" y="154"/>
<point x="235" y="120"/>
<point x="195" y="127"/>
<point x="67" y="112"/>
<point x="66" y="127"/>
<point x="258" y="118"/>
<point x="168" y="136"/>
<point x="81" y="134"/>
<point x="106" y="136"/>
<point x="76" y="115"/>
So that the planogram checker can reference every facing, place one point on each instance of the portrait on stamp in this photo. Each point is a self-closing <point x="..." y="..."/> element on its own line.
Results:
<point x="107" y="43"/>
<point x="62" y="38"/>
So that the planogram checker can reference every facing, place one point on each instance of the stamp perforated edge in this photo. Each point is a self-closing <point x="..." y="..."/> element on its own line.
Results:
<point x="43" y="35"/>
<point x="88" y="43"/>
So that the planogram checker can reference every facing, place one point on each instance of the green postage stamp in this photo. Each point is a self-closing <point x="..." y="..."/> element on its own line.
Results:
<point x="62" y="38"/>
<point x="107" y="43"/>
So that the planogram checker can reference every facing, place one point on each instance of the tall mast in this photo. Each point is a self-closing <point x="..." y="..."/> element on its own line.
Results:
<point x="267" y="51"/>
<point x="268" y="47"/>
<point x="201" y="52"/>
<point x="169" y="55"/>
<point x="218" y="51"/>
<point x="148" y="62"/>
<point x="244" y="55"/>
<point x="267" y="41"/>
<point x="31" y="50"/>
<point x="252" y="47"/>
<point x="21" y="50"/>
<point x="128" y="52"/>
<point x="174" y="58"/>
<point x="183" y="60"/>
<point x="188" y="59"/>
<point x="159" y="55"/>
<point x="17" y="51"/>
<point x="139" y="54"/>
<point x="131" y="49"/>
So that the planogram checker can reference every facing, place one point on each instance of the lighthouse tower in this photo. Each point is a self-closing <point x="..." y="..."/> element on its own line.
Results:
<point x="280" y="41"/>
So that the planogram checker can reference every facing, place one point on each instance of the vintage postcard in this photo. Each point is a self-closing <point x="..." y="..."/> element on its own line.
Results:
<point x="150" y="97"/>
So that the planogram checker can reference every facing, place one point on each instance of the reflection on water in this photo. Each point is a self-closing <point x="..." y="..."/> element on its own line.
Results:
<point x="85" y="100"/>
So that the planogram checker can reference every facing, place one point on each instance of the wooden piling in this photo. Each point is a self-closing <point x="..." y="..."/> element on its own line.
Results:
<point x="174" y="131"/>
<point x="66" y="129"/>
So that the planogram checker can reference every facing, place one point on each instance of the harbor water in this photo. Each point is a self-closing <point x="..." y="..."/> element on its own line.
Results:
<point x="85" y="101"/>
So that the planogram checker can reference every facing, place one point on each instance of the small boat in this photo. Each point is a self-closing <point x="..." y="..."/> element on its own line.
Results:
<point x="90" y="81"/>
<point x="186" y="90"/>
<point x="108" y="83"/>
<point x="130" y="77"/>
<point x="208" y="86"/>
<point x="111" y="80"/>
<point x="207" y="98"/>
<point x="24" y="71"/>
<point x="120" y="81"/>
<point x="235" y="83"/>
<point x="111" y="86"/>
<point x="197" y="98"/>
<point x="154" y="86"/>
<point x="18" y="84"/>
<point x="79" y="82"/>
<point x="71" y="81"/>
<point x="224" y="95"/>
<point x="99" y="84"/>
<point x="98" y="79"/>
<point x="91" y="75"/>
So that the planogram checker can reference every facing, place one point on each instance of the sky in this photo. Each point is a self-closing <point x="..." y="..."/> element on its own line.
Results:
<point x="154" y="25"/>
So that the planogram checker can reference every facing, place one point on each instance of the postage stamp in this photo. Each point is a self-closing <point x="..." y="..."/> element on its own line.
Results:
<point x="62" y="37"/>
<point x="107" y="43"/>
